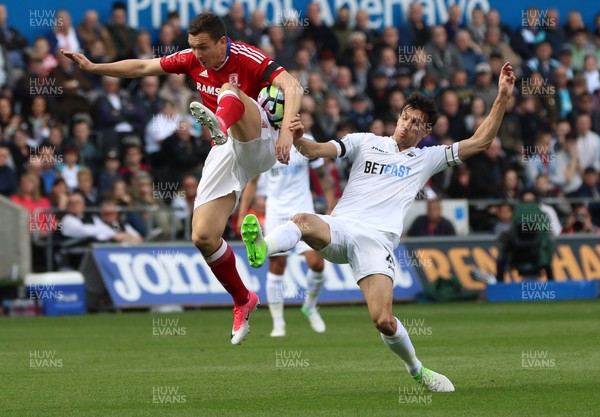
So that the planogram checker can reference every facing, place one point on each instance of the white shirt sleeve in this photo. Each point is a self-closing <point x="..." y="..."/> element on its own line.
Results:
<point x="349" y="145"/>
<point x="439" y="158"/>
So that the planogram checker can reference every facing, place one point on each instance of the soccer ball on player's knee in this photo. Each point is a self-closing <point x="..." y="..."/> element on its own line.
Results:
<point x="271" y="99"/>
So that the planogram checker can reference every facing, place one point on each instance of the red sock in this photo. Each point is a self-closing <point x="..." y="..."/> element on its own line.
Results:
<point x="222" y="264"/>
<point x="230" y="109"/>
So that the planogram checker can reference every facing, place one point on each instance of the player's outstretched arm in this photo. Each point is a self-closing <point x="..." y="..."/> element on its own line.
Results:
<point x="488" y="130"/>
<point x="293" y="93"/>
<point x="307" y="147"/>
<point x="128" y="68"/>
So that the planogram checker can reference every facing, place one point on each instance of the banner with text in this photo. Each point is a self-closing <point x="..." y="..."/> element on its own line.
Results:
<point x="38" y="19"/>
<point x="154" y="275"/>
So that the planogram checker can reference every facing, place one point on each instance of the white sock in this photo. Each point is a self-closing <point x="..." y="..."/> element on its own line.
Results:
<point x="401" y="345"/>
<point x="283" y="238"/>
<point x="275" y="298"/>
<point x="314" y="285"/>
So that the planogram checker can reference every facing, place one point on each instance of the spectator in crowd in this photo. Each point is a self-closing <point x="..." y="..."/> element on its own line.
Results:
<point x="163" y="125"/>
<point x="115" y="113"/>
<point x="8" y="120"/>
<point x="143" y="48"/>
<point x="235" y="22"/>
<point x="183" y="153"/>
<point x="122" y="35"/>
<point x="257" y="29"/>
<point x="531" y="33"/>
<point x="44" y="163"/>
<point x="445" y="57"/>
<point x="177" y="92"/>
<point x="489" y="167"/>
<point x="181" y="35"/>
<point x="64" y="35"/>
<point x="85" y="187"/>
<point x="460" y="183"/>
<point x="574" y="24"/>
<point x="454" y="22"/>
<point x="19" y="151"/>
<point x="183" y="202"/>
<point x="166" y="39"/>
<point x="478" y="109"/>
<point x="456" y="120"/>
<point x="324" y="38"/>
<point x="39" y="120"/>
<point x="503" y="223"/>
<point x="41" y="51"/>
<point x="330" y="117"/>
<point x="580" y="221"/>
<point x="591" y="73"/>
<point x="90" y="30"/>
<point x="59" y="195"/>
<point x="483" y="85"/>
<point x="133" y="160"/>
<point x="82" y="140"/>
<point x="542" y="62"/>
<point x="14" y="42"/>
<point x="389" y="39"/>
<point x="360" y="113"/>
<point x="77" y="224"/>
<point x="564" y="99"/>
<point x="415" y="32"/>
<point x="477" y="26"/>
<point x="493" y="20"/>
<point x="531" y="124"/>
<point x="343" y="88"/>
<point x="28" y="196"/>
<point x="8" y="176"/>
<point x="56" y="140"/>
<point x="69" y="168"/>
<point x="342" y="30"/>
<point x="110" y="172"/>
<point x="363" y="26"/>
<point x="439" y="133"/>
<point x="510" y="188"/>
<point x="580" y="48"/>
<point x="148" y="99"/>
<point x="283" y="50"/>
<point x="388" y="64"/>
<point x="586" y="105"/>
<point x="539" y="160"/>
<point x="470" y="52"/>
<point x="124" y="232"/>
<point x="554" y="32"/>
<point x="495" y="44"/>
<point x="432" y="224"/>
<point x="588" y="142"/>
<point x="590" y="188"/>
<point x="568" y="170"/>
<point x="143" y="193"/>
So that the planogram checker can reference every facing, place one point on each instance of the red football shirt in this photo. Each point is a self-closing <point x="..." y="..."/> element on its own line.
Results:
<point x="245" y="66"/>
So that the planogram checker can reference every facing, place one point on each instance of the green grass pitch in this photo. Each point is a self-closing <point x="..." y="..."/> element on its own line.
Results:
<point x="527" y="359"/>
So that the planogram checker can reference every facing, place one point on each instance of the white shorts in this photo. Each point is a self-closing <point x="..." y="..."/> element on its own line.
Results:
<point x="368" y="251"/>
<point x="272" y="220"/>
<point x="230" y="166"/>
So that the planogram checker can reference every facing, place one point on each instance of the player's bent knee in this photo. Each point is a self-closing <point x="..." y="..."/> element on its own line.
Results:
<point x="316" y="263"/>
<point x="205" y="242"/>
<point x="229" y="86"/>
<point x="301" y="220"/>
<point x="384" y="324"/>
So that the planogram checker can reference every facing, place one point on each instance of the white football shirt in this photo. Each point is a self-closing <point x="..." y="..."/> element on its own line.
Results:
<point x="383" y="181"/>
<point x="288" y="186"/>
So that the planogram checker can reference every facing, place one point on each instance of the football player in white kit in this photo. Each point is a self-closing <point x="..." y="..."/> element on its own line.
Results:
<point x="288" y="192"/>
<point x="365" y="227"/>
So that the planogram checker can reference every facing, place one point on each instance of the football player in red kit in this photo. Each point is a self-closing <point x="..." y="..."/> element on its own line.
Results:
<point x="228" y="75"/>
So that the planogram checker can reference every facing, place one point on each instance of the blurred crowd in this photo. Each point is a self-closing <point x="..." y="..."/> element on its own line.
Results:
<point x="71" y="140"/>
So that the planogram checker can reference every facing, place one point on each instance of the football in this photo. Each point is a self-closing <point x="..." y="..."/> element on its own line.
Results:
<point x="271" y="99"/>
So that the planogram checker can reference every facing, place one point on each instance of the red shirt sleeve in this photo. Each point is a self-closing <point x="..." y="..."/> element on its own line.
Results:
<point x="178" y="62"/>
<point x="257" y="64"/>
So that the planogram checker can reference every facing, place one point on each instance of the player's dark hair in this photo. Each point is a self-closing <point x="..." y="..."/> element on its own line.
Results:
<point x="418" y="101"/>
<point x="209" y="23"/>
